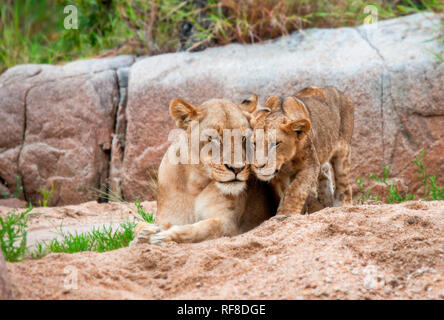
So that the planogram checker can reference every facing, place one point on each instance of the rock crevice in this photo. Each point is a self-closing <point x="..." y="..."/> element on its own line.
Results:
<point x="363" y="34"/>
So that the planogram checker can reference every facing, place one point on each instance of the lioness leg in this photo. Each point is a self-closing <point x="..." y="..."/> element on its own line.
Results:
<point x="216" y="215"/>
<point x="341" y="163"/>
<point x="196" y="232"/>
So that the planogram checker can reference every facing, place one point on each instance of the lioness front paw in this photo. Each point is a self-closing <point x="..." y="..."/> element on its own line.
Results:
<point x="280" y="217"/>
<point x="143" y="231"/>
<point x="160" y="238"/>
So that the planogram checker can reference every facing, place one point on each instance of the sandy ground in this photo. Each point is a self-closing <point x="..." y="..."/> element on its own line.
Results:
<point x="363" y="252"/>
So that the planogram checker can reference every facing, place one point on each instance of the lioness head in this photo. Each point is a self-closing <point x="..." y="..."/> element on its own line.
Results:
<point x="220" y="128"/>
<point x="290" y="123"/>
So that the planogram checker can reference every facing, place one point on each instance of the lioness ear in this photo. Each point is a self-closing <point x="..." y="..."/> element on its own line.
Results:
<point x="249" y="105"/>
<point x="255" y="116"/>
<point x="273" y="103"/>
<point x="300" y="127"/>
<point x="182" y="112"/>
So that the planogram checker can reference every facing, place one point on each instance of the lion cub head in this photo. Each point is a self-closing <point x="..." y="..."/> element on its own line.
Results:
<point x="222" y="130"/>
<point x="289" y="124"/>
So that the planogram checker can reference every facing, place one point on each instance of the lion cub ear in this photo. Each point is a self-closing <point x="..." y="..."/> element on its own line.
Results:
<point x="294" y="108"/>
<point x="301" y="127"/>
<point x="249" y="105"/>
<point x="182" y="112"/>
<point x="273" y="103"/>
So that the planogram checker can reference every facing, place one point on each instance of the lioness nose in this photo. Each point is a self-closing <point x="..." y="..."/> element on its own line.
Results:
<point x="236" y="170"/>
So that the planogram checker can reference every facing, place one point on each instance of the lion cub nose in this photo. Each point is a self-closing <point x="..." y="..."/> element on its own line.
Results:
<point x="235" y="169"/>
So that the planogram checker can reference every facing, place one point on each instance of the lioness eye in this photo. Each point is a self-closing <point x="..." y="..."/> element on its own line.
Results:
<point x="274" y="144"/>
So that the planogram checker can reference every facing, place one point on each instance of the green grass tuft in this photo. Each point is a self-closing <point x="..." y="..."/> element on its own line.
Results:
<point x="13" y="234"/>
<point x="431" y="190"/>
<point x="100" y="240"/>
<point x="394" y="196"/>
<point x="365" y="194"/>
<point x="145" y="216"/>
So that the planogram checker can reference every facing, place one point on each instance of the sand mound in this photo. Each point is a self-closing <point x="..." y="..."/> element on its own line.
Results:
<point x="371" y="251"/>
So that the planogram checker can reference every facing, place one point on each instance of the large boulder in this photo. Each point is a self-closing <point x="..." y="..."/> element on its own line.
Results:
<point x="389" y="70"/>
<point x="5" y="288"/>
<point x="58" y="123"/>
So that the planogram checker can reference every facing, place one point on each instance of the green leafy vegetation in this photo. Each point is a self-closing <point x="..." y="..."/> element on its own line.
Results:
<point x="394" y="196"/>
<point x="13" y="234"/>
<point x="365" y="194"/>
<point x="33" y="31"/>
<point x="431" y="191"/>
<point x="145" y="215"/>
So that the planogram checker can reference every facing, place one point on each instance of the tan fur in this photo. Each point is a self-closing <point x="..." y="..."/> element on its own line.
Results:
<point x="313" y="128"/>
<point x="206" y="200"/>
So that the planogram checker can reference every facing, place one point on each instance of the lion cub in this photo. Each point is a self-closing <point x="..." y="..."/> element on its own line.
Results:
<point x="312" y="128"/>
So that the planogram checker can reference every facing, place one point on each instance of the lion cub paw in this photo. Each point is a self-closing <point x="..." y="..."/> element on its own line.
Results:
<point x="143" y="231"/>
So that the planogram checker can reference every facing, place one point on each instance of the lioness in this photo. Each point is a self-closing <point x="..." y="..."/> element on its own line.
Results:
<point x="207" y="200"/>
<point x="312" y="128"/>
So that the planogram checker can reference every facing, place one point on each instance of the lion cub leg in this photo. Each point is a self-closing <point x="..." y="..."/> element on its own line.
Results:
<point x="325" y="192"/>
<point x="341" y="163"/>
<point x="300" y="188"/>
<point x="325" y="185"/>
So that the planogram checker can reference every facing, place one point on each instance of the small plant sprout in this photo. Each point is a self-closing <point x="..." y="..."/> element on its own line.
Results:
<point x="46" y="196"/>
<point x="394" y="196"/>
<point x="365" y="194"/>
<point x="145" y="216"/>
